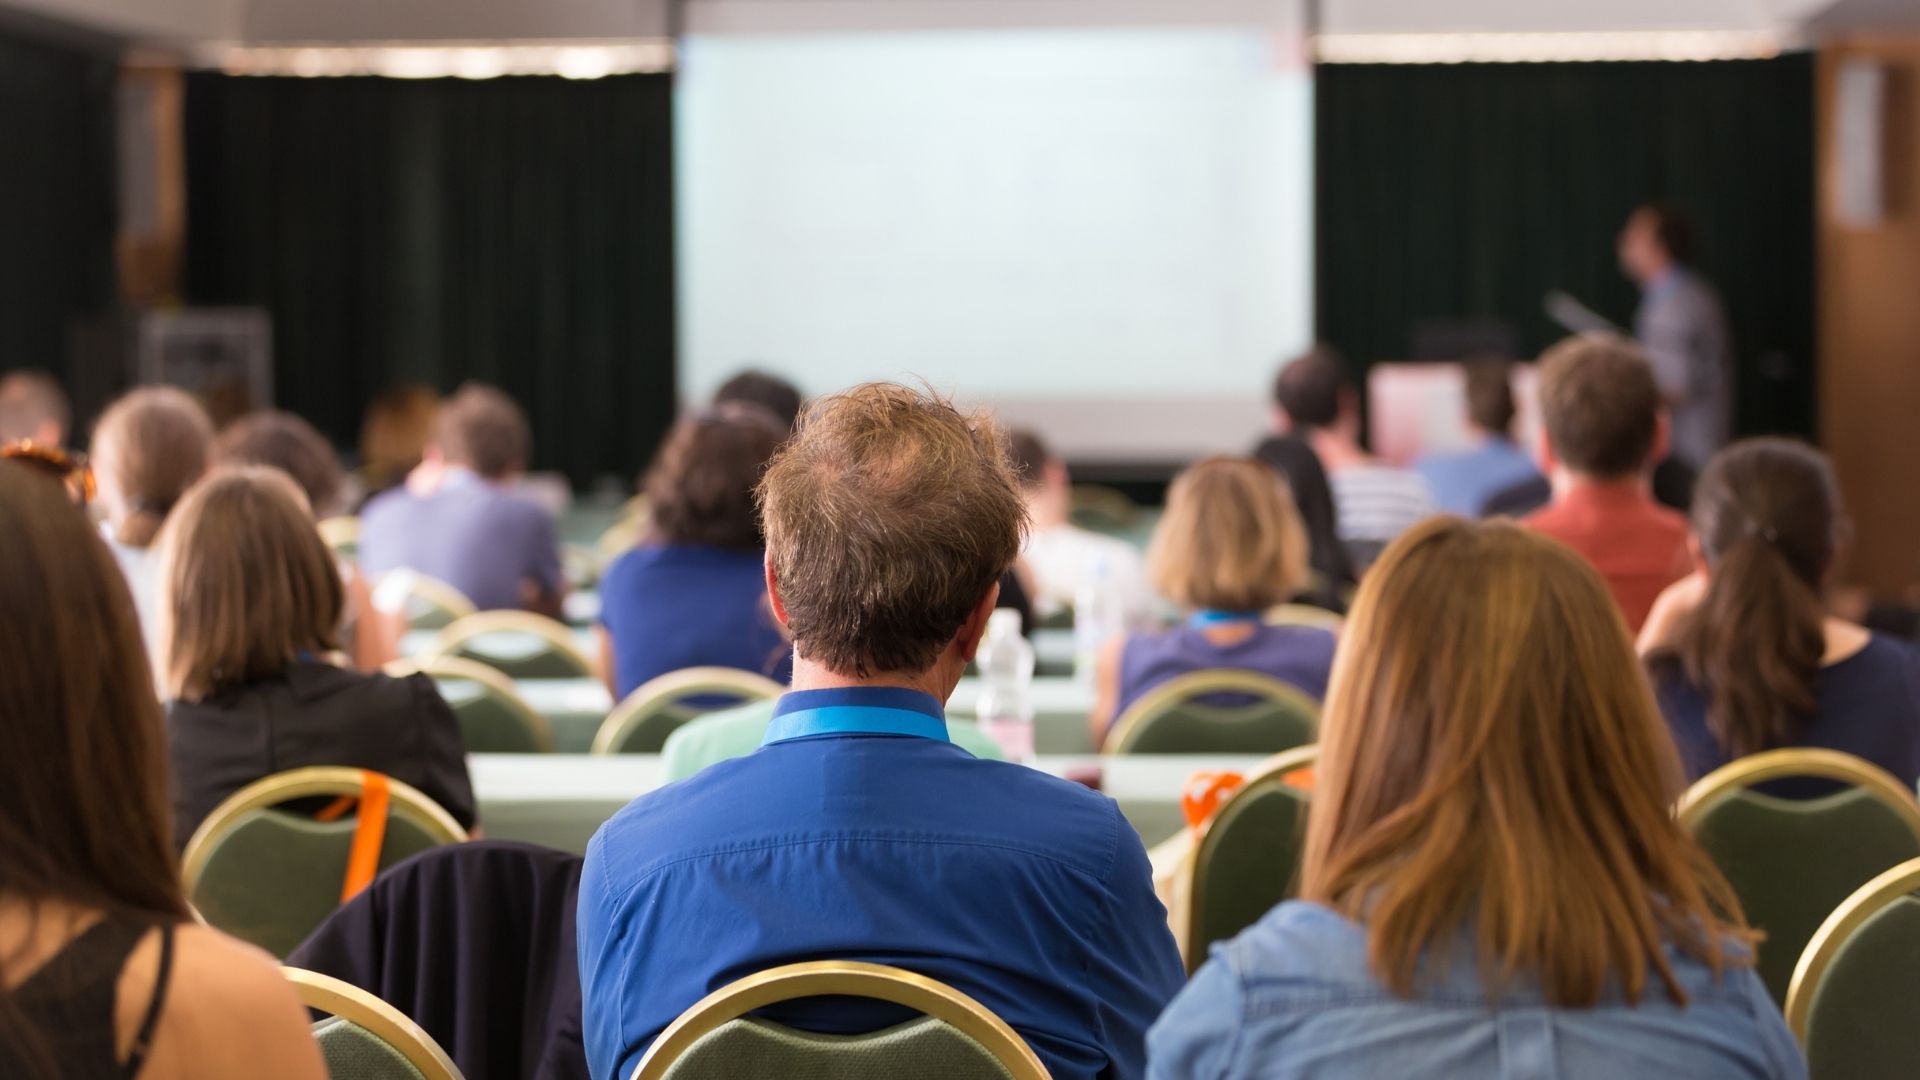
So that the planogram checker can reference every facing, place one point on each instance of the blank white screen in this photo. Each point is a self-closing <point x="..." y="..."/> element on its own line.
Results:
<point x="1102" y="231"/>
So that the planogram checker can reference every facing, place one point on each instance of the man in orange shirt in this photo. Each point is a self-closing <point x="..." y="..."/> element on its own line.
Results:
<point x="1604" y="429"/>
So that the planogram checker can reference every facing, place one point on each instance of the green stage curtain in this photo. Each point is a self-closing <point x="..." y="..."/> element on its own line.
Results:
<point x="517" y="231"/>
<point x="57" y="196"/>
<point x="1469" y="190"/>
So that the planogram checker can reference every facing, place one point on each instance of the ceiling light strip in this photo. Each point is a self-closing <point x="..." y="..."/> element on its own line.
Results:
<point x="448" y="60"/>
<point x="1509" y="48"/>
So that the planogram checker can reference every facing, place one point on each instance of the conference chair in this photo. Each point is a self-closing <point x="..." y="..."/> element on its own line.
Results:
<point x="364" y="1038"/>
<point x="1245" y="858"/>
<point x="494" y="718"/>
<point x="657" y="708"/>
<point x="342" y="537"/>
<point x="268" y="874"/>
<point x="1102" y="509"/>
<point x="1304" y="615"/>
<point x="956" y="1037"/>
<point x="1185" y="715"/>
<point x="1793" y="861"/>
<point x="520" y="644"/>
<point x="425" y="603"/>
<point x="1851" y="1001"/>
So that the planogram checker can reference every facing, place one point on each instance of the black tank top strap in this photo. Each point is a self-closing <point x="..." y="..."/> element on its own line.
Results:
<point x="72" y="1002"/>
<point x="150" y="1020"/>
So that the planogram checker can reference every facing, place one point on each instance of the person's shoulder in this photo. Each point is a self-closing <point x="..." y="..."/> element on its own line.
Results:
<point x="315" y="682"/>
<point x="1317" y="639"/>
<point x="1299" y="942"/>
<point x="228" y="1011"/>
<point x="391" y="503"/>
<point x="714" y="737"/>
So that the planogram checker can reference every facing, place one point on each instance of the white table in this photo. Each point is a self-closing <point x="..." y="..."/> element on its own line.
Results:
<point x="560" y="799"/>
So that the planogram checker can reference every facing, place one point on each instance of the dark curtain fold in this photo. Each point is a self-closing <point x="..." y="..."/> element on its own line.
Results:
<point x="57" y="196"/>
<point x="517" y="231"/>
<point x="1468" y="190"/>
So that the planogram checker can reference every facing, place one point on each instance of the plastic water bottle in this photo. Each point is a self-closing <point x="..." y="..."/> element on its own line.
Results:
<point x="1099" y="616"/>
<point x="1005" y="707"/>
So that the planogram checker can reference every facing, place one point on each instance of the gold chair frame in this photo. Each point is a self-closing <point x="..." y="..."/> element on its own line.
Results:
<point x="340" y="532"/>
<point x="1304" y="615"/>
<point x="391" y="1026"/>
<point x="687" y="682"/>
<point x="842" y="978"/>
<point x="1853" y="913"/>
<point x="1187" y="889"/>
<point x="496" y="682"/>
<point x="433" y="591"/>
<point x="554" y="633"/>
<point x="322" y="780"/>
<point x="1796" y="761"/>
<point x="1199" y="684"/>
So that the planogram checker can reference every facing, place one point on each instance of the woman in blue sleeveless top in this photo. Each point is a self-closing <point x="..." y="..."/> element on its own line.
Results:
<point x="1229" y="547"/>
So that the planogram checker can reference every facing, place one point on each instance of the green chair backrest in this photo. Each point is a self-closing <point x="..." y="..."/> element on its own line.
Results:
<point x="1792" y="861"/>
<point x="519" y="655"/>
<point x="924" y="1049"/>
<point x="649" y="732"/>
<point x="1861" y="1026"/>
<point x="488" y="724"/>
<point x="276" y="875"/>
<point x="1248" y="861"/>
<point x="354" y="1053"/>
<point x="425" y="613"/>
<point x="1199" y="727"/>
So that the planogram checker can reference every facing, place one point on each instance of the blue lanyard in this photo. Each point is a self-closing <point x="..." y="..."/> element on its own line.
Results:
<point x="1204" y="618"/>
<point x="854" y="720"/>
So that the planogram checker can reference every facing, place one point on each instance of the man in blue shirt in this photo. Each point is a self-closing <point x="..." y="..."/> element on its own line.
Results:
<point x="1463" y="481"/>
<point x="858" y="831"/>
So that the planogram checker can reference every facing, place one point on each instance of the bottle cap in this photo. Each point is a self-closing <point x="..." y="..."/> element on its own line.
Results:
<point x="1007" y="617"/>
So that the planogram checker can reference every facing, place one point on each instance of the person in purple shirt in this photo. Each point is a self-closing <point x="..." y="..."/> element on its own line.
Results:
<point x="1465" y="481"/>
<point x="1745" y="657"/>
<point x="694" y="593"/>
<point x="1229" y="547"/>
<point x="463" y="526"/>
<point x="858" y="831"/>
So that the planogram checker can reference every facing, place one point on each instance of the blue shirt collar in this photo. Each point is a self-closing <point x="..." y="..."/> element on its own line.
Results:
<point x="1206" y="617"/>
<point x="857" y="710"/>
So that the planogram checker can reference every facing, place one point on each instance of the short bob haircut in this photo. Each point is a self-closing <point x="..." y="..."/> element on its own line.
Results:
<point x="246" y="584"/>
<point x="700" y="489"/>
<point x="1231" y="539"/>
<point x="1491" y="758"/>
<point x="890" y="516"/>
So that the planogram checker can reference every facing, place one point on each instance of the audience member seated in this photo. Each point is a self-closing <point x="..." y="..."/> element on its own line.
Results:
<point x="463" y="526"/>
<point x="770" y="392"/>
<point x="859" y="831"/>
<point x="106" y="975"/>
<point x="1375" y="501"/>
<point x="1229" y="547"/>
<point x="283" y="441"/>
<point x="1744" y="654"/>
<point x="34" y="409"/>
<point x="394" y="436"/>
<point x="694" y="593"/>
<point x="1061" y="557"/>
<point x="1299" y="466"/>
<point x="1603" y="422"/>
<point x="1493" y="882"/>
<point x="1463" y="481"/>
<point x="149" y="447"/>
<point x="250" y="606"/>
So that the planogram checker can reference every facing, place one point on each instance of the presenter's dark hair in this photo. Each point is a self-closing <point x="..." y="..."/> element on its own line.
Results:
<point x="770" y="392"/>
<point x="1309" y="387"/>
<point x="1672" y="229"/>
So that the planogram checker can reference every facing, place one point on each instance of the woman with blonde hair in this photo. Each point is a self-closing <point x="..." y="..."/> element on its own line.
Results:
<point x="1229" y="547"/>
<point x="103" y="974"/>
<point x="1493" y="880"/>
<point x="148" y="448"/>
<point x="250" y="603"/>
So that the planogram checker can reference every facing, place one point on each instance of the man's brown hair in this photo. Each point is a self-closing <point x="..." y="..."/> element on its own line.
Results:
<point x="890" y="515"/>
<point x="285" y="442"/>
<point x="1029" y="456"/>
<point x="1600" y="404"/>
<point x="700" y="489"/>
<point x="246" y="584"/>
<point x="1490" y="396"/>
<point x="482" y="429"/>
<point x="1491" y="757"/>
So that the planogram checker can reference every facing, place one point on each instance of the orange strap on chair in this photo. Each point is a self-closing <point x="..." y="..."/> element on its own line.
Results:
<point x="1204" y="793"/>
<point x="369" y="834"/>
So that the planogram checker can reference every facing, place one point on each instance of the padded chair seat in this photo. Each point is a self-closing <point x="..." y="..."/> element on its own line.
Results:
<point x="1211" y="727"/>
<point x="354" y="1053"/>
<point x="1792" y="861"/>
<point x="922" y="1049"/>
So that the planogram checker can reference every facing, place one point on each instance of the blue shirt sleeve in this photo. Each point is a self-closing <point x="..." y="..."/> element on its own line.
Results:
<point x="1196" y="1037"/>
<point x="1776" y="1040"/>
<point x="1138" y="971"/>
<point x="602" y="985"/>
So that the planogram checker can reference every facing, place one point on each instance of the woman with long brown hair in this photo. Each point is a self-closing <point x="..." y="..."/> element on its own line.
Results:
<point x="1493" y="882"/>
<point x="102" y="972"/>
<point x="1744" y="654"/>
